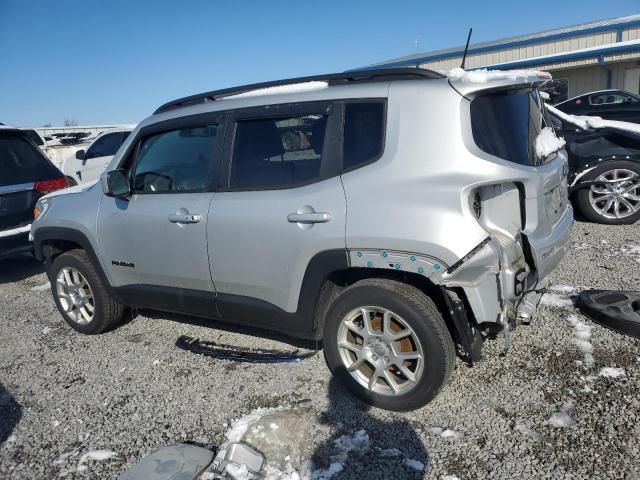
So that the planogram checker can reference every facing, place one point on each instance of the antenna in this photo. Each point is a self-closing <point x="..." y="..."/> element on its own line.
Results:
<point x="466" y="48"/>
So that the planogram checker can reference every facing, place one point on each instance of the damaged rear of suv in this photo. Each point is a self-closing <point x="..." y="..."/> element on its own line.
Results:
<point x="392" y="214"/>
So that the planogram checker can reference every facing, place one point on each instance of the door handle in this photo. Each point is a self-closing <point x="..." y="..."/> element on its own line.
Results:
<point x="316" y="217"/>
<point x="185" y="218"/>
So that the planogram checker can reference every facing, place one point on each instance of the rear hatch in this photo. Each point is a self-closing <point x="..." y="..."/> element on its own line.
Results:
<point x="25" y="175"/>
<point x="507" y="121"/>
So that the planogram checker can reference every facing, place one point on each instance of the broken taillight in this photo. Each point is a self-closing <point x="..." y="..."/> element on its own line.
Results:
<point x="46" y="186"/>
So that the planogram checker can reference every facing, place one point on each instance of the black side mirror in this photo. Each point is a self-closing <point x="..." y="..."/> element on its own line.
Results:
<point x="80" y="154"/>
<point x="115" y="183"/>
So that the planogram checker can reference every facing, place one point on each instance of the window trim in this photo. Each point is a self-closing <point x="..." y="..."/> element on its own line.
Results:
<point x="331" y="159"/>
<point x="129" y="159"/>
<point x="383" y="143"/>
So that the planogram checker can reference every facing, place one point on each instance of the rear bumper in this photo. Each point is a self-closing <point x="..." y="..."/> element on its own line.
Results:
<point x="549" y="251"/>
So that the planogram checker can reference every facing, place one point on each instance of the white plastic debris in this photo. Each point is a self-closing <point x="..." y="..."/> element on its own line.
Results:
<point x="547" y="142"/>
<point x="611" y="372"/>
<point x="545" y="95"/>
<point x="281" y="89"/>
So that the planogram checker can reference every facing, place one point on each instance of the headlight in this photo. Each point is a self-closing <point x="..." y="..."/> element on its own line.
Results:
<point x="40" y="209"/>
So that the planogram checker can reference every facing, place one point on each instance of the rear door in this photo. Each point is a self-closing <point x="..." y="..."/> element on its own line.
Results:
<point x="154" y="244"/>
<point x="21" y="166"/>
<point x="280" y="202"/>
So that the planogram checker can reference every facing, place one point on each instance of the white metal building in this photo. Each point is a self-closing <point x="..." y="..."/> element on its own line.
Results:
<point x="581" y="58"/>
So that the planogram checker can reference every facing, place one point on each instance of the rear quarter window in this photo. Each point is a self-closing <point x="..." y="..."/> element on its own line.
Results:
<point x="506" y="124"/>
<point x="364" y="126"/>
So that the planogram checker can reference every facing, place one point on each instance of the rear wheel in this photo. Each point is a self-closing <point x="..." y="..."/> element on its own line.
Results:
<point x="388" y="343"/>
<point x="615" y="197"/>
<point x="80" y="295"/>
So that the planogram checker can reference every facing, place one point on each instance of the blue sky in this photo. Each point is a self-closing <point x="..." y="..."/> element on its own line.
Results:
<point x="113" y="61"/>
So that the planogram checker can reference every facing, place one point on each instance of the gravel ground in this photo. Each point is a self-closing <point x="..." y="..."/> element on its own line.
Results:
<point x="544" y="411"/>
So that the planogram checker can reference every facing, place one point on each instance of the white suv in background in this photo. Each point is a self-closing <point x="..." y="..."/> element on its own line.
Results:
<point x="87" y="165"/>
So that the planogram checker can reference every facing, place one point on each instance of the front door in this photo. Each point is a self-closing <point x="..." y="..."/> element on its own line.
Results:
<point x="283" y="203"/>
<point x="154" y="244"/>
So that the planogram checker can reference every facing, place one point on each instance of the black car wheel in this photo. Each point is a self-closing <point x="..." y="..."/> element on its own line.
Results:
<point x="614" y="198"/>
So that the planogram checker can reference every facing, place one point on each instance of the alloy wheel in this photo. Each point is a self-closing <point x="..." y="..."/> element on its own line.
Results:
<point x="75" y="295"/>
<point x="616" y="193"/>
<point x="380" y="350"/>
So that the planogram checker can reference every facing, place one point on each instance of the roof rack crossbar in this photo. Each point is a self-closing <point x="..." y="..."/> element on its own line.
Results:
<point x="360" y="76"/>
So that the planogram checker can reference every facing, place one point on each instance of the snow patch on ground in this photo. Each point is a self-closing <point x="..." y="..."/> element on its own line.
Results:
<point x="562" y="419"/>
<point x="414" y="464"/>
<point x="449" y="477"/>
<point x="634" y="249"/>
<point x="582" y="340"/>
<point x="41" y="288"/>
<point x="484" y="75"/>
<point x="611" y="372"/>
<point x="448" y="433"/>
<point x="280" y="90"/>
<point x="554" y="300"/>
<point x="547" y="142"/>
<point x="240" y="426"/>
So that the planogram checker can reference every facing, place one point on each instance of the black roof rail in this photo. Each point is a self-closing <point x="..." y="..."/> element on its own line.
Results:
<point x="360" y="76"/>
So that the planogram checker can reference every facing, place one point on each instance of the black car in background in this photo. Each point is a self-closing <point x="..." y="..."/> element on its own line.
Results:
<point x="26" y="174"/>
<point x="604" y="171"/>
<point x="609" y="104"/>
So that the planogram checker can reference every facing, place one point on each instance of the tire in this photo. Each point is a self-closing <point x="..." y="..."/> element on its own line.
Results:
<point x="75" y="265"/>
<point x="597" y="213"/>
<point x="407" y="307"/>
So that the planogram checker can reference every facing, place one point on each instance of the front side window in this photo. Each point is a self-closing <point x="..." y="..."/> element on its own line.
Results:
<point x="277" y="152"/>
<point x="363" y="133"/>
<point x="107" y="145"/>
<point x="175" y="161"/>
<point x="610" y="98"/>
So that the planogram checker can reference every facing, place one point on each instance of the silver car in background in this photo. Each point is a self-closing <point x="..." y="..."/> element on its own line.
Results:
<point x="393" y="214"/>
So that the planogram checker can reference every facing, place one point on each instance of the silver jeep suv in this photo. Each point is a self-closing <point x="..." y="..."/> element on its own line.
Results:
<point x="396" y="215"/>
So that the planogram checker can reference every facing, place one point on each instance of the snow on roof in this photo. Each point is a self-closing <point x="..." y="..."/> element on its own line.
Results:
<point x="485" y="76"/>
<point x="281" y="89"/>
<point x="585" y="122"/>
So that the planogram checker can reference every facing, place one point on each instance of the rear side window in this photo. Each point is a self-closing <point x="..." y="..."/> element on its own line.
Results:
<point x="21" y="162"/>
<point x="34" y="137"/>
<point x="506" y="124"/>
<point x="363" y="133"/>
<point x="277" y="152"/>
<point x="105" y="146"/>
<point x="175" y="161"/>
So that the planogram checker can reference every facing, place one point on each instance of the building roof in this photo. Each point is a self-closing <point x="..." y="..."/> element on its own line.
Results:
<point x="618" y="23"/>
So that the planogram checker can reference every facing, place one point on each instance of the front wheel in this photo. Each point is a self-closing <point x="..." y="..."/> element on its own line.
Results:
<point x="614" y="198"/>
<point x="388" y="343"/>
<point x="80" y="295"/>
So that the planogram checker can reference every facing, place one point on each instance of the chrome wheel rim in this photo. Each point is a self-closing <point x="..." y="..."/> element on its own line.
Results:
<point x="75" y="296"/>
<point x="616" y="193"/>
<point x="380" y="350"/>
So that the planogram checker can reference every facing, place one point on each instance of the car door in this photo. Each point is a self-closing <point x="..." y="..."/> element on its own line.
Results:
<point x="280" y="202"/>
<point x="154" y="243"/>
<point x="99" y="155"/>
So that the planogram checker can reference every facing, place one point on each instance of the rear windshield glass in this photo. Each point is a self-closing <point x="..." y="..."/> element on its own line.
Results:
<point x="21" y="162"/>
<point x="506" y="124"/>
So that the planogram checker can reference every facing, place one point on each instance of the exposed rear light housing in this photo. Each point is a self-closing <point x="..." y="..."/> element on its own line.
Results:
<point x="46" y="186"/>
